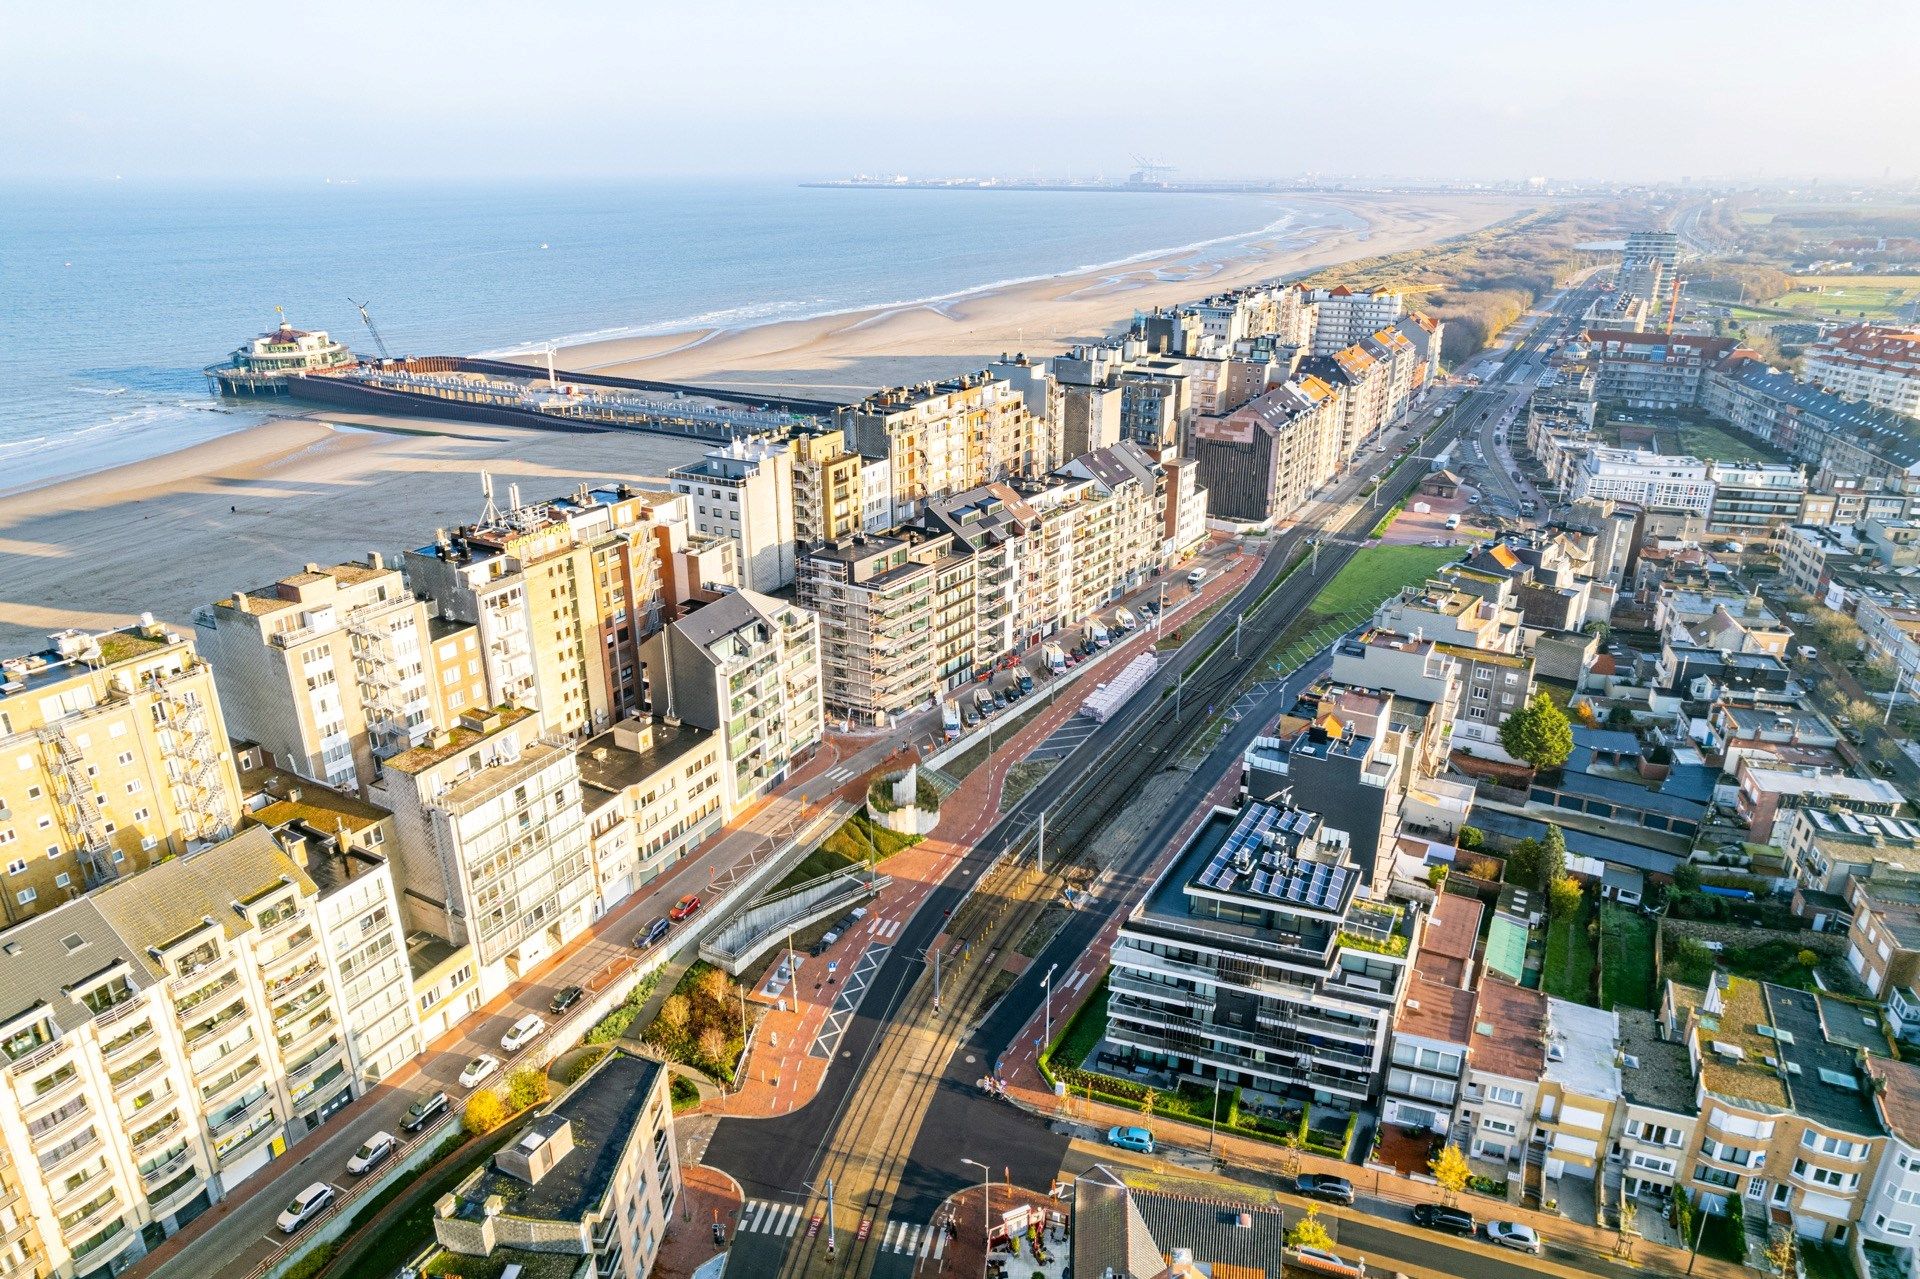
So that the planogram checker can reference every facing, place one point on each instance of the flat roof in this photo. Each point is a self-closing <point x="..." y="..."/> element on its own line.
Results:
<point x="608" y="766"/>
<point x="1655" y="1071"/>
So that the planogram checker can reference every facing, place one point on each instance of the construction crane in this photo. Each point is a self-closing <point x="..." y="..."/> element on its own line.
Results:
<point x="1673" y="307"/>
<point x="378" y="341"/>
<point x="1150" y="171"/>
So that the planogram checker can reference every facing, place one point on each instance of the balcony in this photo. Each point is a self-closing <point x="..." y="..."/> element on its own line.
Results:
<point x="173" y="1196"/>
<point x="315" y="992"/>
<point x="297" y="945"/>
<point x="213" y="1094"/>
<point x="156" y="1134"/>
<point x="292" y="1045"/>
<point x="126" y="1043"/>
<point x="60" y="1161"/>
<point x="146" y="1068"/>
<point x="203" y="986"/>
<point x="181" y="1157"/>
<point x="240" y="1117"/>
<point x="330" y="1051"/>
<point x="199" y="1031"/>
<point x="291" y="981"/>
<point x="87" y="1188"/>
<point x="50" y="1129"/>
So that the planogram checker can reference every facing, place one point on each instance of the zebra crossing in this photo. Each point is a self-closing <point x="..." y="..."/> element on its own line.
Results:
<point x="835" y="776"/>
<point x="909" y="1239"/>
<point x="765" y="1217"/>
<point x="884" y="929"/>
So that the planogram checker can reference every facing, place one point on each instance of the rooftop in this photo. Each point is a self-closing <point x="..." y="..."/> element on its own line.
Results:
<point x="71" y="654"/>
<point x="1765" y="1045"/>
<point x="1582" y="1049"/>
<point x="1509" y="1031"/>
<point x="606" y="764"/>
<point x="1654" y="1071"/>
<point x="474" y="727"/>
<point x="1435" y="1010"/>
<point x="603" y="1110"/>
<point x="1899" y="1096"/>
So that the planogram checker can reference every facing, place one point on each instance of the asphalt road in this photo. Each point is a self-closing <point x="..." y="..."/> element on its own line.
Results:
<point x="775" y="1159"/>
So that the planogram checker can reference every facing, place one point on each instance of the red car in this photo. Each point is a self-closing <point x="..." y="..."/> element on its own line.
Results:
<point x="683" y="908"/>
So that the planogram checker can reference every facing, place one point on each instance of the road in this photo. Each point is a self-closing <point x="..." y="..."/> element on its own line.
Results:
<point x="776" y="1161"/>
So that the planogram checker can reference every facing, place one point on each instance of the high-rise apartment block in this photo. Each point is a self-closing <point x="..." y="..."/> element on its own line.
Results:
<point x="828" y="496"/>
<point x="747" y="668"/>
<point x="113" y="756"/>
<point x="327" y="669"/>
<point x="1343" y="316"/>
<point x="744" y="491"/>
<point x="492" y="846"/>
<point x="943" y="437"/>
<point x="1878" y="363"/>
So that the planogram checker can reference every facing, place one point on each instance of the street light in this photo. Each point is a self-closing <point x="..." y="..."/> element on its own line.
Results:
<point x="986" y="1208"/>
<point x="1047" y="982"/>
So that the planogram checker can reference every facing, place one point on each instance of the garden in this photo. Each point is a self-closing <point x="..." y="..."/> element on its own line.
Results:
<point x="703" y="1023"/>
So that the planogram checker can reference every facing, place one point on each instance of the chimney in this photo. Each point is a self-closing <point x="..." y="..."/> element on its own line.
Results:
<point x="375" y="560"/>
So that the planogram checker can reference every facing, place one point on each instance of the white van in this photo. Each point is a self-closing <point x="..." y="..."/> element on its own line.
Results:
<point x="1196" y="577"/>
<point x="1453" y="521"/>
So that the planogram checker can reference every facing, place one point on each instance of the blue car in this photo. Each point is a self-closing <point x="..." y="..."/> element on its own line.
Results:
<point x="1131" y="1139"/>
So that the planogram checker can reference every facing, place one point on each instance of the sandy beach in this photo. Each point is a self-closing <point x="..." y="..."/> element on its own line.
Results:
<point x="168" y="534"/>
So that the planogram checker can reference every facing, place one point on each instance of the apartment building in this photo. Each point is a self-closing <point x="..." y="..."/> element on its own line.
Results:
<point x="652" y="792"/>
<point x="1653" y="370"/>
<point x="1364" y="375"/>
<point x="1441" y="611"/>
<point x="1754" y="501"/>
<point x="1656" y="1128"/>
<point x="457" y="674"/>
<point x="827" y="492"/>
<point x="1651" y="480"/>
<point x="1115" y="502"/>
<point x="1787" y="1121"/>
<point x="491" y="840"/>
<point x="594" y="1176"/>
<point x="874" y="600"/>
<point x="1888" y="1215"/>
<point x="170" y="1034"/>
<point x="994" y="527"/>
<point x="1506" y="1061"/>
<point x="1433" y="1027"/>
<point x="1824" y="847"/>
<point x="1264" y="461"/>
<point x="940" y="438"/>
<point x="529" y="585"/>
<point x="1810" y="554"/>
<point x="113" y="756"/>
<point x="1343" y="316"/>
<point x="744" y="491"/>
<point x="745" y="667"/>
<point x="1878" y="363"/>
<point x="1764" y="794"/>
<point x="1883" y="939"/>
<point x="1492" y="686"/>
<point x="1350" y="760"/>
<point x="1837" y="439"/>
<point x="328" y="668"/>
<point x="1252" y="959"/>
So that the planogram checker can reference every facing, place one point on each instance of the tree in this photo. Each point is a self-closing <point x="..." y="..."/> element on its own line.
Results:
<point x="527" y="1087"/>
<point x="713" y="987"/>
<point x="485" y="1112"/>
<point x="1147" y="1099"/>
<point x="1619" y="717"/>
<point x="1524" y="864"/>
<point x="712" y="1043"/>
<point x="1309" y="1232"/>
<point x="1553" y="855"/>
<point x="1471" y="837"/>
<point x="1450" y="1170"/>
<point x="1538" y="733"/>
<point x="1807" y="959"/>
<point x="1564" y="898"/>
<point x="1437" y="875"/>
<point x="675" y="1013"/>
<point x="1686" y="877"/>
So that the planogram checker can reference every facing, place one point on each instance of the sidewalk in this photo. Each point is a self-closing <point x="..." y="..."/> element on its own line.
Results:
<point x="707" y="1195"/>
<point x="781" y="1074"/>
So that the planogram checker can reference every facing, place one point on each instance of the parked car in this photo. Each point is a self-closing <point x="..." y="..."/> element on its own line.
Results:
<point x="522" y="1033"/>
<point x="479" y="1068"/>
<point x="564" y="998"/>
<point x="372" y="1151"/>
<point x="1026" y="682"/>
<point x="305" y="1207"/>
<point x="421" y="1112"/>
<point x="1453" y="1221"/>
<point x="1336" y="1190"/>
<point x="1131" y="1139"/>
<point x="1511" y="1234"/>
<point x="651" y="935"/>
<point x="684" y="908"/>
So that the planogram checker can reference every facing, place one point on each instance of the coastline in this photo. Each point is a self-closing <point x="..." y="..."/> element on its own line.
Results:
<point x="170" y="532"/>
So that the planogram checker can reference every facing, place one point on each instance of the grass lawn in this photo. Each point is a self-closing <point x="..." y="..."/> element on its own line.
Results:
<point x="821" y="861"/>
<point x="1084" y="1032"/>
<point x="1374" y="573"/>
<point x="1877" y="297"/>
<point x="1626" y="948"/>
<point x="1722" y="1237"/>
<point x="404" y="1237"/>
<point x="1569" y="970"/>
<point x="1715" y="445"/>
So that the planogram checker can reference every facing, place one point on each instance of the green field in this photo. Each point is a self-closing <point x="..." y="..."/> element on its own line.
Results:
<point x="1374" y="573"/>
<point x="1626" y="954"/>
<point x="1876" y="297"/>
<point x="1713" y="444"/>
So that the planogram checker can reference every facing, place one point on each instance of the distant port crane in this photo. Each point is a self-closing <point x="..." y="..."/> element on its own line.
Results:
<point x="367" y="317"/>
<point x="1150" y="172"/>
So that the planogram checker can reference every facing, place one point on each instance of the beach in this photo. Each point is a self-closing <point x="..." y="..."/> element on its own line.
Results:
<point x="169" y="534"/>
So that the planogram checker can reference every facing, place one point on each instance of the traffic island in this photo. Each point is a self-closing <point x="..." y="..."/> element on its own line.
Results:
<point x="905" y="803"/>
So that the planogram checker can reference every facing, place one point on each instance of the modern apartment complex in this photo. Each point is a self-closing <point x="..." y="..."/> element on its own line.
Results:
<point x="945" y="437"/>
<point x="595" y="1176"/>
<point x="1651" y="480"/>
<point x="113" y="756"/>
<point x="492" y="845"/>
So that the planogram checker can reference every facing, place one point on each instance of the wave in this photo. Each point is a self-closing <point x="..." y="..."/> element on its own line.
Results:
<point x="770" y="312"/>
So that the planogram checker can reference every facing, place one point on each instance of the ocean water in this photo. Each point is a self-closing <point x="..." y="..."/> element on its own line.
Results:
<point x="117" y="295"/>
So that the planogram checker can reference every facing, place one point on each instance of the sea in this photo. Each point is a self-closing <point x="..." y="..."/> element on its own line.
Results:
<point x="118" y="294"/>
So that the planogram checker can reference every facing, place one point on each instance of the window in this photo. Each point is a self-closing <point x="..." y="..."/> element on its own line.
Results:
<point x="1500" y="1126"/>
<point x="16" y="867"/>
<point x="25" y="896"/>
<point x="1825" y="1176"/>
<point x="1837" y="1146"/>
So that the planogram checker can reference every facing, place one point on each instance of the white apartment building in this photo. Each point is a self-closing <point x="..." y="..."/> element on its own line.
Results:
<point x="492" y="843"/>
<point x="1655" y="481"/>
<point x="653" y="792"/>
<point x="744" y="490"/>
<point x="940" y="438"/>
<point x="1878" y="363"/>
<point x="1343" y="316"/>
<point x="328" y="669"/>
<point x="169" y="1035"/>
<point x="747" y="668"/>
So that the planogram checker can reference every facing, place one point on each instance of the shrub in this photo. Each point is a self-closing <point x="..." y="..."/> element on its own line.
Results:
<point x="311" y="1262"/>
<point x="527" y="1087"/>
<point x="485" y="1112"/>
<point x="583" y="1063"/>
<point x="1471" y="837"/>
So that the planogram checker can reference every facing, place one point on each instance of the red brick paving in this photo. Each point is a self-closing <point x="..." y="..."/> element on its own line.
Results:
<point x="707" y="1195"/>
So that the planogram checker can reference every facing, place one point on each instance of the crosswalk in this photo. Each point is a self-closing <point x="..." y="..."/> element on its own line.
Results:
<point x="884" y="929"/>
<point x="834" y="776"/>
<point x="911" y="1240"/>
<point x="765" y="1217"/>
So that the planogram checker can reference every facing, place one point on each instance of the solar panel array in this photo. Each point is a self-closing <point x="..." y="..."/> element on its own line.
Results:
<point x="1255" y="850"/>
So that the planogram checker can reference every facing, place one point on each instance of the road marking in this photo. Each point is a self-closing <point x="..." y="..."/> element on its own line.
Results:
<point x="847" y="1002"/>
<point x="764" y="1217"/>
<point x="836" y="775"/>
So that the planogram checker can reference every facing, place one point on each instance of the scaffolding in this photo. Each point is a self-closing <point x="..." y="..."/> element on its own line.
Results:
<point x="193" y="761"/>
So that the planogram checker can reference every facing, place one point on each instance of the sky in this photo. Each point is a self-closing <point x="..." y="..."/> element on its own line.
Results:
<point x="575" y="89"/>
